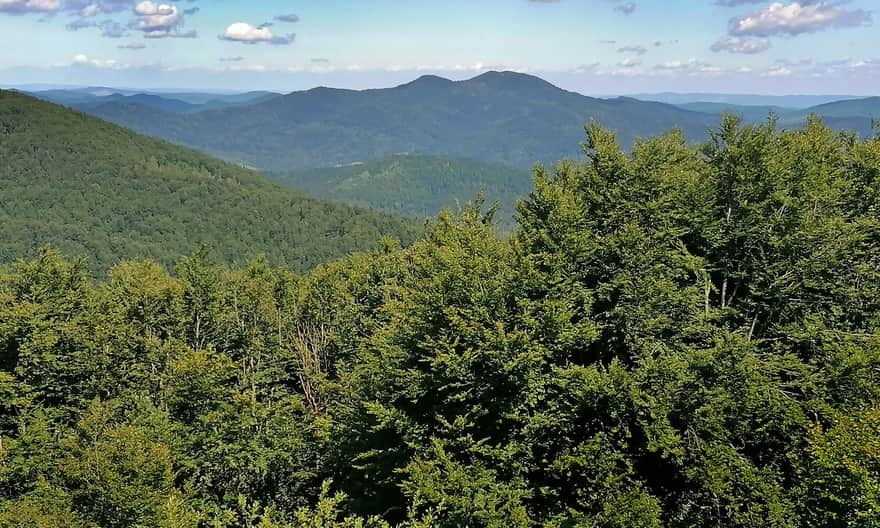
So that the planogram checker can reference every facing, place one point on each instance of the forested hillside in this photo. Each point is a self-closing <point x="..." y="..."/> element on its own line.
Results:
<point x="186" y="102"/>
<point x="857" y="115"/>
<point x="95" y="190"/>
<point x="502" y="117"/>
<point x="417" y="186"/>
<point x="687" y="336"/>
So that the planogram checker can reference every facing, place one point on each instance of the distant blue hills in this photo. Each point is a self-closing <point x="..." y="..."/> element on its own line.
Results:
<point x="499" y="117"/>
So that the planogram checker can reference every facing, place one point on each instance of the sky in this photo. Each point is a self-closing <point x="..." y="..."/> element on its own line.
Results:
<point x="596" y="47"/>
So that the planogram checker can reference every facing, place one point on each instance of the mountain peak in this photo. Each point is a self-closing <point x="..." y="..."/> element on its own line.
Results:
<point x="510" y="80"/>
<point x="428" y="81"/>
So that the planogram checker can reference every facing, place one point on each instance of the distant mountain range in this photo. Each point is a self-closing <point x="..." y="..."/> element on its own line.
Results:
<point x="785" y="101"/>
<point x="497" y="117"/>
<point x="500" y="117"/>
<point x="91" y="188"/>
<point x="87" y="99"/>
<point x="416" y="148"/>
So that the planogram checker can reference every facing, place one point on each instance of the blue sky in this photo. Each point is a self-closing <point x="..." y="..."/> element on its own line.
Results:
<point x="591" y="46"/>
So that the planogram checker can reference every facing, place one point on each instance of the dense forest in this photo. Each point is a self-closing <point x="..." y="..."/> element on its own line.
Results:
<point x="501" y="117"/>
<point x="416" y="186"/>
<point x="680" y="336"/>
<point x="93" y="189"/>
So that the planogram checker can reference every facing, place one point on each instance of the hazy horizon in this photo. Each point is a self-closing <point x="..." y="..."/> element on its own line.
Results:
<point x="592" y="46"/>
<point x="38" y="86"/>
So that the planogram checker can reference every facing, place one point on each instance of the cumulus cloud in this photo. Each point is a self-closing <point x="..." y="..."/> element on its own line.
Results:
<point x="692" y="67"/>
<point x="90" y="10"/>
<point x="748" y="46"/>
<point x="778" y="71"/>
<point x="157" y="20"/>
<point x="153" y="15"/>
<point x="20" y="7"/>
<point x="807" y="67"/>
<point x="629" y="63"/>
<point x="248" y="34"/>
<point x="81" y="59"/>
<point x="797" y="18"/>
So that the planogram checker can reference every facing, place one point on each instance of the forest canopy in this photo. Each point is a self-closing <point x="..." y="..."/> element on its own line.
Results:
<point x="95" y="190"/>
<point x="674" y="337"/>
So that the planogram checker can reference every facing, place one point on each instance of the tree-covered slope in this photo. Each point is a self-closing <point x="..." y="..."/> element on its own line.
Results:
<point x="155" y="102"/>
<point x="502" y="117"/>
<point x="751" y="113"/>
<point x="866" y="107"/>
<point x="856" y="115"/>
<point x="92" y="188"/>
<point x="417" y="186"/>
<point x="678" y="336"/>
<point x="187" y="102"/>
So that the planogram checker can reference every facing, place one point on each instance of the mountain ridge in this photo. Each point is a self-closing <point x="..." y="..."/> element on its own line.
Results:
<point x="88" y="187"/>
<point x="503" y="117"/>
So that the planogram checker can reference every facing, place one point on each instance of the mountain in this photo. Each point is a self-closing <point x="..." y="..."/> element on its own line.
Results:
<point x="89" y="187"/>
<point x="196" y="98"/>
<point x="64" y="97"/>
<point x="86" y="99"/>
<point x="748" y="112"/>
<point x="501" y="117"/>
<point x="856" y="115"/>
<point x="784" y="101"/>
<point x="230" y="101"/>
<point x="417" y="186"/>
<point x="148" y="100"/>
<point x="868" y="107"/>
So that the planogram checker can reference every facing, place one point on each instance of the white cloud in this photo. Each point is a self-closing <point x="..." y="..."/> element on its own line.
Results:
<point x="797" y="18"/>
<point x="692" y="67"/>
<point x="248" y="34"/>
<point x="778" y="71"/>
<point x="17" y="7"/>
<point x="159" y="20"/>
<point x="629" y="62"/>
<point x="90" y="10"/>
<point x="81" y="59"/>
<point x="747" y="46"/>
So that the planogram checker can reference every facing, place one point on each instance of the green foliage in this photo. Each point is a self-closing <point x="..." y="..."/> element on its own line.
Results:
<point x="416" y="186"/>
<point x="92" y="189"/>
<point x="679" y="336"/>
<point x="502" y="117"/>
